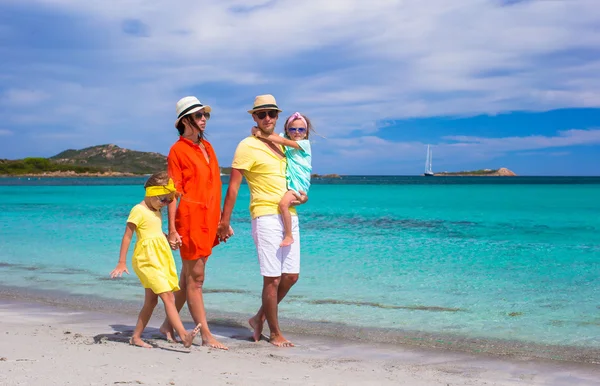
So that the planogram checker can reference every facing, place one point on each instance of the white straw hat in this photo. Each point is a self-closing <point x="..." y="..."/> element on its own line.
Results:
<point x="189" y="105"/>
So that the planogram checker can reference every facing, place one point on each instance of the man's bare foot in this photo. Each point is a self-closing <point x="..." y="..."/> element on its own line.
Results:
<point x="210" y="341"/>
<point x="287" y="241"/>
<point x="188" y="339"/>
<point x="257" y="327"/>
<point x="280" y="341"/>
<point x="168" y="332"/>
<point x="139" y="342"/>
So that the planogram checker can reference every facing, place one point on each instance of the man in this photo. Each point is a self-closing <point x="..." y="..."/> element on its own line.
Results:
<point x="264" y="164"/>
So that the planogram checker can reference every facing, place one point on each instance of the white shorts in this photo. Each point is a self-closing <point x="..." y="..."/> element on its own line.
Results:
<point x="267" y="232"/>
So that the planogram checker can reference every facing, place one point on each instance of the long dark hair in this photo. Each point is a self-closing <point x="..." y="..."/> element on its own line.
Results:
<point x="192" y="122"/>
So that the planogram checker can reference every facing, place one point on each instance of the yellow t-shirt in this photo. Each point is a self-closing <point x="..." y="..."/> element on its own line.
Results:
<point x="265" y="174"/>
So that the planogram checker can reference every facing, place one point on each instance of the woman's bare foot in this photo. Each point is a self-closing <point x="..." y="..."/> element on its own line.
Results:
<point x="168" y="332"/>
<point x="280" y="341"/>
<point x="188" y="339"/>
<point x="287" y="241"/>
<point x="139" y="342"/>
<point x="210" y="341"/>
<point x="257" y="327"/>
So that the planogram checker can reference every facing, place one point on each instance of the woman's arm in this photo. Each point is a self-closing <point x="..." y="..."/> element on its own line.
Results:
<point x="175" y="172"/>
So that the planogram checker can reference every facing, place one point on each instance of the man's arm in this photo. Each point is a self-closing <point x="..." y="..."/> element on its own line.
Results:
<point x="235" y="180"/>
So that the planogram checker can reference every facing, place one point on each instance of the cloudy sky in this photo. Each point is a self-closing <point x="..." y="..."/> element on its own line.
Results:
<point x="488" y="83"/>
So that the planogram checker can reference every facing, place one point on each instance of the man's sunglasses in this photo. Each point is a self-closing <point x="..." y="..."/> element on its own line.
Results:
<point x="263" y="114"/>
<point x="202" y="114"/>
<point x="296" y="130"/>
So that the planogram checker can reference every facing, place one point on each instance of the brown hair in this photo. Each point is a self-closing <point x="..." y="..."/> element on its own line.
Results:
<point x="157" y="179"/>
<point x="309" y="126"/>
<point x="192" y="122"/>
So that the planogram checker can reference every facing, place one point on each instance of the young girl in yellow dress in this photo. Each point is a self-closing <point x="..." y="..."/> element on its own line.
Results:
<point x="152" y="258"/>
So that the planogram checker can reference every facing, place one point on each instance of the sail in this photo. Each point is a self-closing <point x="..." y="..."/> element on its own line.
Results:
<point x="428" y="162"/>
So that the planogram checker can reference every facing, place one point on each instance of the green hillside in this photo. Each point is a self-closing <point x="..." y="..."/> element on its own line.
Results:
<point x="95" y="159"/>
<point x="40" y="165"/>
<point x="113" y="158"/>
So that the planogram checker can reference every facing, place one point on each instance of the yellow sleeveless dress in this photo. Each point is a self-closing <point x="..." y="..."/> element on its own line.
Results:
<point x="152" y="260"/>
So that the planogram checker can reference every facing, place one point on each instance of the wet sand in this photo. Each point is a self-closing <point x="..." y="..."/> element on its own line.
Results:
<point x="55" y="345"/>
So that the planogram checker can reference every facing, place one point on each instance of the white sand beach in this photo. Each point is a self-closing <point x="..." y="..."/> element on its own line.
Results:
<point x="50" y="345"/>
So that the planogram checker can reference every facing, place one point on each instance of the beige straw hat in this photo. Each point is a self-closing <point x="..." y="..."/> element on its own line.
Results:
<point x="189" y="105"/>
<point x="264" y="102"/>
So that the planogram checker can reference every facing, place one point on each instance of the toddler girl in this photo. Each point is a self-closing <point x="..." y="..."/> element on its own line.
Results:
<point x="297" y="151"/>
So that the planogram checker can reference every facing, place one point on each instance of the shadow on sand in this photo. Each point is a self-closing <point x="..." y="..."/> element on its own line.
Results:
<point x="121" y="333"/>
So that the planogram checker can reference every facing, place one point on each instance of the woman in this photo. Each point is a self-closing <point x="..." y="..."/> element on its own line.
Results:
<point x="193" y="166"/>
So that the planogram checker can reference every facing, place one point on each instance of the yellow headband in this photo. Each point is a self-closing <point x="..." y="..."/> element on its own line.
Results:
<point x="152" y="191"/>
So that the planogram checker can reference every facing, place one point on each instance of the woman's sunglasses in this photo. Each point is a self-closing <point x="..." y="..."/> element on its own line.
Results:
<point x="299" y="130"/>
<point x="263" y="114"/>
<point x="199" y="115"/>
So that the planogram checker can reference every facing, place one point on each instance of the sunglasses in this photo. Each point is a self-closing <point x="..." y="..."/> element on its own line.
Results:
<point x="271" y="113"/>
<point x="299" y="130"/>
<point x="202" y="114"/>
<point x="165" y="200"/>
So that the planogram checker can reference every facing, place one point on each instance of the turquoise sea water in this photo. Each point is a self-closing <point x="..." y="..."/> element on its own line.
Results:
<point x="509" y="258"/>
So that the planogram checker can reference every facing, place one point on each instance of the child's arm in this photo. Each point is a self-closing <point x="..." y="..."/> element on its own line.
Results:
<point x="276" y="139"/>
<point x="122" y="264"/>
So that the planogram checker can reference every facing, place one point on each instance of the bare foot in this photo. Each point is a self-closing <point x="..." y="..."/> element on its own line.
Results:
<point x="280" y="341"/>
<point x="188" y="339"/>
<point x="287" y="241"/>
<point x="257" y="327"/>
<point x="168" y="332"/>
<point x="139" y="342"/>
<point x="210" y="341"/>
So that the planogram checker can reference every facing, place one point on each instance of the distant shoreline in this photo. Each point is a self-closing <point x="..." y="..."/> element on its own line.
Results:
<point x="71" y="174"/>
<point x="502" y="172"/>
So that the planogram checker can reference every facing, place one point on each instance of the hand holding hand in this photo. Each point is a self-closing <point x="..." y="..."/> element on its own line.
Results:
<point x="224" y="231"/>
<point x="118" y="271"/>
<point x="174" y="240"/>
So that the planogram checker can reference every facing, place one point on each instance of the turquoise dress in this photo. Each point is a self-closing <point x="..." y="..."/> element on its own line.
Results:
<point x="299" y="166"/>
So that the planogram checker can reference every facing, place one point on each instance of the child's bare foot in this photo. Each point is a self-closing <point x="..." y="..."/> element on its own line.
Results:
<point x="139" y="342"/>
<point x="280" y="341"/>
<point x="188" y="339"/>
<point x="257" y="327"/>
<point x="168" y="332"/>
<point x="287" y="241"/>
<point x="210" y="341"/>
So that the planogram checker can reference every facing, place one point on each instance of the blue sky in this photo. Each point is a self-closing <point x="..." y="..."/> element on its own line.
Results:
<point x="488" y="83"/>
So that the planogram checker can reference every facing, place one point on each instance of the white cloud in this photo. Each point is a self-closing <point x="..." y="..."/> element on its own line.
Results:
<point x="347" y="64"/>
<point x="361" y="153"/>
<point x="532" y="142"/>
<point x="4" y="132"/>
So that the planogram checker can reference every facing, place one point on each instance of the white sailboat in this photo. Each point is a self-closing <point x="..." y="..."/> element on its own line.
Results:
<point x="428" y="170"/>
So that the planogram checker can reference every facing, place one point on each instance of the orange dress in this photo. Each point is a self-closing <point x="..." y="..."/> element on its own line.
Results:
<point x="199" y="209"/>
